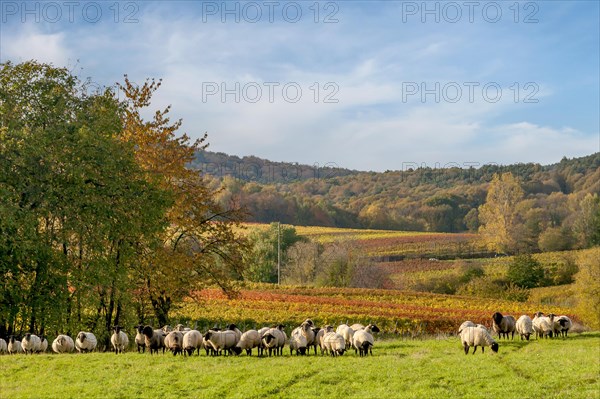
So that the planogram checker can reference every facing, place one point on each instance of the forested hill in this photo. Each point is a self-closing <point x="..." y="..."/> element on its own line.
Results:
<point x="427" y="199"/>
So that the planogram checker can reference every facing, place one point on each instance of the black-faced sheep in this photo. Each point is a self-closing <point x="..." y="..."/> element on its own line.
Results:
<point x="3" y="347"/>
<point x="334" y="343"/>
<point x="542" y="325"/>
<point x="503" y="325"/>
<point x="250" y="339"/>
<point x="221" y="340"/>
<point x="63" y="344"/>
<point x="155" y="339"/>
<point x="119" y="340"/>
<point x="174" y="342"/>
<point x="476" y="336"/>
<point x="14" y="346"/>
<point x="274" y="340"/>
<point x="524" y="327"/>
<point x="192" y="341"/>
<point x="140" y="339"/>
<point x="85" y="342"/>
<point x="298" y="342"/>
<point x="561" y="325"/>
<point x="31" y="343"/>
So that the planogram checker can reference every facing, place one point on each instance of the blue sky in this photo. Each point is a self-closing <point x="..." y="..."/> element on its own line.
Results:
<point x="398" y="82"/>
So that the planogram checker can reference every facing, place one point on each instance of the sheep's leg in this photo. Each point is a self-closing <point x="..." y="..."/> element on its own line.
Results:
<point x="466" y="348"/>
<point x="474" y="349"/>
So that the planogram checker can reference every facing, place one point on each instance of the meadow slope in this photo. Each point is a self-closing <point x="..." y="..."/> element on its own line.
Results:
<point x="399" y="369"/>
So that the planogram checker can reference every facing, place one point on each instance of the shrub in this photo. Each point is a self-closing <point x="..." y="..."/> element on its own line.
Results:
<point x="525" y="272"/>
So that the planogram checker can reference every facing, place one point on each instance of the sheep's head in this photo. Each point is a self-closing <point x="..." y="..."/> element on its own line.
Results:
<point x="373" y="328"/>
<point x="232" y="327"/>
<point x="268" y="338"/>
<point x="497" y="317"/>
<point x="309" y="322"/>
<point x="81" y="336"/>
<point x="148" y="331"/>
<point x="140" y="329"/>
<point x="236" y="350"/>
<point x="208" y="335"/>
<point x="495" y="347"/>
<point x="538" y="314"/>
<point x="551" y="316"/>
<point x="27" y="336"/>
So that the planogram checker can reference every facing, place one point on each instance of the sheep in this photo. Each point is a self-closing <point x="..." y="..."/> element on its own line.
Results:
<point x="466" y="324"/>
<point x="154" y="339"/>
<point x="249" y="340"/>
<point x="192" y="340"/>
<point x="3" y="347"/>
<point x="238" y="333"/>
<point x="221" y="340"/>
<point x="14" y="345"/>
<point x="43" y="345"/>
<point x="320" y="335"/>
<point x="542" y="325"/>
<point x="347" y="332"/>
<point x="363" y="340"/>
<point x="524" y="327"/>
<point x="476" y="336"/>
<point x="140" y="339"/>
<point x="274" y="340"/>
<point x="63" y="344"/>
<point x="503" y="325"/>
<point x="31" y="343"/>
<point x="298" y="342"/>
<point x="182" y="329"/>
<point x="119" y="340"/>
<point x="307" y="329"/>
<point x="334" y="343"/>
<point x="85" y="342"/>
<point x="561" y="326"/>
<point x="174" y="342"/>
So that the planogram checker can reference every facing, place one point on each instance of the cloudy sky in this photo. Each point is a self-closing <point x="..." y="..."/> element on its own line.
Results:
<point x="368" y="85"/>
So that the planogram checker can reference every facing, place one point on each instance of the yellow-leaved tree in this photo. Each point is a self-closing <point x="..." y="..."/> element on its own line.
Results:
<point x="501" y="226"/>
<point x="200" y="246"/>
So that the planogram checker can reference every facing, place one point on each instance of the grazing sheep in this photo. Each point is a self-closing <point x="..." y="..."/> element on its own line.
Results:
<point x="31" y="343"/>
<point x="221" y="340"/>
<point x="476" y="336"/>
<point x="542" y="325"/>
<point x="347" y="332"/>
<point x="560" y="325"/>
<point x="14" y="345"/>
<point x="119" y="340"/>
<point x="249" y="340"/>
<point x="238" y="333"/>
<point x="85" y="342"/>
<point x="503" y="325"/>
<point x="298" y="342"/>
<point x="3" y="347"/>
<point x="466" y="324"/>
<point x="274" y="340"/>
<point x="140" y="339"/>
<point x="43" y="345"/>
<point x="182" y="329"/>
<point x="192" y="340"/>
<point x="363" y="340"/>
<point x="154" y="339"/>
<point x="174" y="342"/>
<point x="334" y="343"/>
<point x="524" y="327"/>
<point x="63" y="344"/>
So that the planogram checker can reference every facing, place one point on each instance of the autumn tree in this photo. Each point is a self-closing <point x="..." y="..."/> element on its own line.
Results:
<point x="499" y="218"/>
<point x="201" y="245"/>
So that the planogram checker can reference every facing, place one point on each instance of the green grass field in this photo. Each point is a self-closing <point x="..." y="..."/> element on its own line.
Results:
<point x="432" y="368"/>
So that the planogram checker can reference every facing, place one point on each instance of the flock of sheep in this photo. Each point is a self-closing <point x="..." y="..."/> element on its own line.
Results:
<point x="272" y="340"/>
<point x="474" y="335"/>
<point x="183" y="340"/>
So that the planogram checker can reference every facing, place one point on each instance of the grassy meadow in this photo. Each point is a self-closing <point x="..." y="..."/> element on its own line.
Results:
<point x="429" y="368"/>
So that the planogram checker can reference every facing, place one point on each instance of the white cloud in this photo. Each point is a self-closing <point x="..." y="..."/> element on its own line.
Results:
<point x="31" y="44"/>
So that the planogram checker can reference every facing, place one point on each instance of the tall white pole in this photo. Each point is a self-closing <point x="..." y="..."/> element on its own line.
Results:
<point x="278" y="253"/>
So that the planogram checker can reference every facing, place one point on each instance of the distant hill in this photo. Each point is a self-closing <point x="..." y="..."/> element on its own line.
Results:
<point x="421" y="199"/>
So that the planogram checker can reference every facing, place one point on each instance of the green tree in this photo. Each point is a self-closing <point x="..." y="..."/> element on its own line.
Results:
<point x="525" y="272"/>
<point x="262" y="258"/>
<point x="498" y="216"/>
